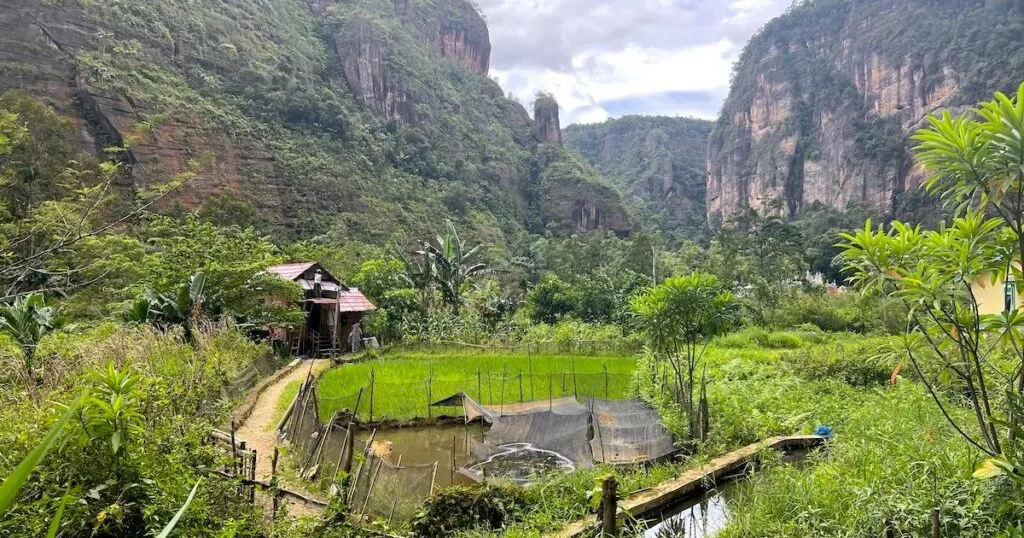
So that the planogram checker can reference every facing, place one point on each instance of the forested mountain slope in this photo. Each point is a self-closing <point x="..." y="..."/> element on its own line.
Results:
<point x="659" y="163"/>
<point x="354" y="119"/>
<point x="824" y="97"/>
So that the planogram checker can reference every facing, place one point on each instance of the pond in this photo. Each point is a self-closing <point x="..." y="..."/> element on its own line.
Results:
<point x="429" y="444"/>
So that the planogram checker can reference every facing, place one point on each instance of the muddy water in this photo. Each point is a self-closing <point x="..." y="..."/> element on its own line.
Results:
<point x="427" y="445"/>
<point x="705" y="515"/>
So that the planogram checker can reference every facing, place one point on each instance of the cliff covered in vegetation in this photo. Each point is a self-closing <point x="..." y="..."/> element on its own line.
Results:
<point x="353" y="119"/>
<point x="657" y="162"/>
<point x="823" y="99"/>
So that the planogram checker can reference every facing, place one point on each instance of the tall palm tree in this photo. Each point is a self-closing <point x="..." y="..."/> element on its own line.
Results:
<point x="450" y="265"/>
<point x="27" y="320"/>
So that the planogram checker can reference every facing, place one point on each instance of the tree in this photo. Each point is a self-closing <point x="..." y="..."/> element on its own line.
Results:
<point x="550" y="300"/>
<point x="184" y="307"/>
<point x="449" y="265"/>
<point x="27" y="319"/>
<point x="680" y="317"/>
<point x="977" y="165"/>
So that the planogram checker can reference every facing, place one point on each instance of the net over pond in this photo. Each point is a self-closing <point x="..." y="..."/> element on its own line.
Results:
<point x="531" y="438"/>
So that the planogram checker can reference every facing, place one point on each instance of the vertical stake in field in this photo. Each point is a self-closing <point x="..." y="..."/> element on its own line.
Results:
<point x="479" y="386"/>
<point x="521" y="386"/>
<point x="359" y="398"/>
<point x="501" y="410"/>
<point x="551" y="390"/>
<point x="373" y="380"/>
<point x="529" y="359"/>
<point x="575" y="389"/>
<point x="252" y="478"/>
<point x="605" y="380"/>
<point x="430" y="382"/>
<point x="273" y="482"/>
<point x="234" y="469"/>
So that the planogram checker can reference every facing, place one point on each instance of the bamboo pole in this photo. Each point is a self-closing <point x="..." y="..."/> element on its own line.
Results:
<point x="252" y="476"/>
<point x="452" y="479"/>
<point x="359" y="400"/>
<point x="233" y="466"/>
<point x="273" y="480"/>
<point x="433" y="477"/>
<point x="529" y="359"/>
<point x="373" y="379"/>
<point x="521" y="386"/>
<point x="369" y="489"/>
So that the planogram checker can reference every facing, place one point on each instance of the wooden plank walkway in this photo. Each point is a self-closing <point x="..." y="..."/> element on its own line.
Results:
<point x="667" y="493"/>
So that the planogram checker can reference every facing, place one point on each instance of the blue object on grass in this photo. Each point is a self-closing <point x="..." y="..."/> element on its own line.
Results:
<point x="824" y="431"/>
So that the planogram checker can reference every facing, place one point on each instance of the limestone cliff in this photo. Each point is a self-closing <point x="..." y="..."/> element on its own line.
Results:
<point x="824" y="99"/>
<point x="658" y="163"/>
<point x="573" y="197"/>
<point x="320" y="113"/>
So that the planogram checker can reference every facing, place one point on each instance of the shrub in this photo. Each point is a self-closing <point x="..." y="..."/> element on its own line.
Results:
<point x="488" y="508"/>
<point x="851" y="365"/>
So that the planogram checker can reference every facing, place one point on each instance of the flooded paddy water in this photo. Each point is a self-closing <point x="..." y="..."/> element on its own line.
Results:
<point x="422" y="445"/>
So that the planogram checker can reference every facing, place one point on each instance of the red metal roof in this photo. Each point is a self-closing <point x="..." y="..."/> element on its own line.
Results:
<point x="353" y="300"/>
<point x="290" y="271"/>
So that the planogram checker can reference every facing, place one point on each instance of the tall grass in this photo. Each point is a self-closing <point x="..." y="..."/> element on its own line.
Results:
<point x="894" y="460"/>
<point x="405" y="383"/>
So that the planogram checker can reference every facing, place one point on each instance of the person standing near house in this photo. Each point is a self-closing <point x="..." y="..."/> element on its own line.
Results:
<point x="355" y="338"/>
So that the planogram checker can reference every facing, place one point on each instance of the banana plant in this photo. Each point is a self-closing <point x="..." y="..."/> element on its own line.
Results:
<point x="27" y="319"/>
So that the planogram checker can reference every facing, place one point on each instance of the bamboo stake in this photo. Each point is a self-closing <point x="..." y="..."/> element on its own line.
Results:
<point x="529" y="359"/>
<point x="345" y="456"/>
<point x="452" y="479"/>
<point x="252" y="476"/>
<point x="433" y="476"/>
<point x="233" y="466"/>
<point x="273" y="480"/>
<point x="521" y="386"/>
<point x="373" y="379"/>
<point x="359" y="399"/>
<point x="369" y="489"/>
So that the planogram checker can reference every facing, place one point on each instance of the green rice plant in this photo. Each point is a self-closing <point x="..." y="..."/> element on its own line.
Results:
<point x="405" y="383"/>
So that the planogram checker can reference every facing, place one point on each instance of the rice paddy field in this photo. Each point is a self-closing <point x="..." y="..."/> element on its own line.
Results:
<point x="404" y="383"/>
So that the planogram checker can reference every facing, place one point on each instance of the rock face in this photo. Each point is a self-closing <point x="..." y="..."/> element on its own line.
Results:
<point x="658" y="163"/>
<point x="547" y="128"/>
<point x="376" y="61"/>
<point x="357" y="118"/>
<point x="825" y="97"/>
<point x="573" y="197"/>
<point x="37" y="53"/>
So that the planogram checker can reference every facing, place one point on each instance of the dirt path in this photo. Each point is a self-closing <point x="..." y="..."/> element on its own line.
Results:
<point x="258" y="430"/>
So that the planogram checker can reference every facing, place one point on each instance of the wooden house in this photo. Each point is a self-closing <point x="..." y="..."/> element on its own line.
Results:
<point x="333" y="311"/>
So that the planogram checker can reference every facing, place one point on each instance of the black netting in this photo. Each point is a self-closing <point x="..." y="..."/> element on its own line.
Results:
<point x="628" y="432"/>
<point x="390" y="491"/>
<point x="304" y="428"/>
<point x="263" y="366"/>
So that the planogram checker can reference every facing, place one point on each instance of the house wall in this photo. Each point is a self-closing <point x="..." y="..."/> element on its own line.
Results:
<point x="990" y="295"/>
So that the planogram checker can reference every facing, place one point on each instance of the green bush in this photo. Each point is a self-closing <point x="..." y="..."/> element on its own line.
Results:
<point x="483" y="508"/>
<point x="844" y="312"/>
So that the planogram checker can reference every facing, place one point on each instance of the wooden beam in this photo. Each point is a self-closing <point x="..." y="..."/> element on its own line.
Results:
<point x="652" y="500"/>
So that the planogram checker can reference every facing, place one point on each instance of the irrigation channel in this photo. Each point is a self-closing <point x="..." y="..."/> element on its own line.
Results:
<point x="705" y="514"/>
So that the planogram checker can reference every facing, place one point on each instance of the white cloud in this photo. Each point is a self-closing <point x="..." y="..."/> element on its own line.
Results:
<point x="670" y="57"/>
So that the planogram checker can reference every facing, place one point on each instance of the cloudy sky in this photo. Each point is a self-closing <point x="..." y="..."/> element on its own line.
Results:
<point x="609" y="58"/>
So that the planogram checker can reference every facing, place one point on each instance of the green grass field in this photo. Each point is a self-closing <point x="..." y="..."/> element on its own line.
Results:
<point x="401" y="381"/>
